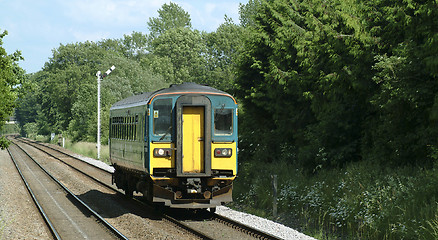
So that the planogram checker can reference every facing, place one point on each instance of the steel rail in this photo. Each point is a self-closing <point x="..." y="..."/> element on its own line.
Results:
<point x="222" y="219"/>
<point x="52" y="229"/>
<point x="165" y="216"/>
<point x="73" y="167"/>
<point x="186" y="227"/>
<point x="116" y="232"/>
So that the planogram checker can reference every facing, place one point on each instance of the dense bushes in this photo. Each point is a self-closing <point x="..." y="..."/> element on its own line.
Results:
<point x="360" y="201"/>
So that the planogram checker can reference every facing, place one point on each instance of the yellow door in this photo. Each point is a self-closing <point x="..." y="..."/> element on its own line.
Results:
<point x="193" y="140"/>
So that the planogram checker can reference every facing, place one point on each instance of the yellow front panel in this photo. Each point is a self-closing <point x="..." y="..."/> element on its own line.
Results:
<point x="224" y="163"/>
<point x="193" y="140"/>
<point x="161" y="162"/>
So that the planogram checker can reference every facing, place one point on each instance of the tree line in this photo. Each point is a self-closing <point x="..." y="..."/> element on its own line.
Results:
<point x="10" y="77"/>
<point x="61" y="98"/>
<point x="324" y="83"/>
<point x="320" y="83"/>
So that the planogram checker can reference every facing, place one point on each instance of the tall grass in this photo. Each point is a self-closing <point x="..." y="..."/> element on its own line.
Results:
<point x="88" y="149"/>
<point x="360" y="201"/>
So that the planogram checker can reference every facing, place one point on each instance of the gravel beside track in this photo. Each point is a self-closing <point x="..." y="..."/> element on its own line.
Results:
<point x="265" y="225"/>
<point x="19" y="218"/>
<point x="134" y="223"/>
<point x="70" y="218"/>
<point x="250" y="220"/>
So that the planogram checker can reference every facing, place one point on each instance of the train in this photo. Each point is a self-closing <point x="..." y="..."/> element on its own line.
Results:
<point x="176" y="146"/>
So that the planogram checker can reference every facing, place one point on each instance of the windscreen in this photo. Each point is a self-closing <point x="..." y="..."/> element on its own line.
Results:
<point x="223" y="121"/>
<point x="162" y="113"/>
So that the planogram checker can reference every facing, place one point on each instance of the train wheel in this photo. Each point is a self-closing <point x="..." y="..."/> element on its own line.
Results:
<point x="147" y="192"/>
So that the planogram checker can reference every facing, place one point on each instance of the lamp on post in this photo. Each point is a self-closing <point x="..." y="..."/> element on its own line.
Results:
<point x="99" y="78"/>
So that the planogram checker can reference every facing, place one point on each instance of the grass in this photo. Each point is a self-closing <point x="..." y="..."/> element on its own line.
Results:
<point x="360" y="201"/>
<point x="10" y="129"/>
<point x="88" y="149"/>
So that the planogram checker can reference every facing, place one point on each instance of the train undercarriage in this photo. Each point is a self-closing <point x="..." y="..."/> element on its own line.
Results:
<point x="175" y="192"/>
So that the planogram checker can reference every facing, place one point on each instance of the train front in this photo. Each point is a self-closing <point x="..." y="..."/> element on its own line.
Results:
<point x="192" y="146"/>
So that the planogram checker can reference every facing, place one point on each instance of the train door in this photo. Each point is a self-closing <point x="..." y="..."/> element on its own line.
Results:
<point x="193" y="140"/>
<point x="193" y="113"/>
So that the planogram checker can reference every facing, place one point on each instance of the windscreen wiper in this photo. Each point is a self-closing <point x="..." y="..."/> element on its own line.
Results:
<point x="165" y="134"/>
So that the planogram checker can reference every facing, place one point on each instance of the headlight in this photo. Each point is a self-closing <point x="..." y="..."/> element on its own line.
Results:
<point x="223" y="152"/>
<point x="162" y="152"/>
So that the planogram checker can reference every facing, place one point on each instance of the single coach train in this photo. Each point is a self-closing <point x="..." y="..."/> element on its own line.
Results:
<point x="176" y="146"/>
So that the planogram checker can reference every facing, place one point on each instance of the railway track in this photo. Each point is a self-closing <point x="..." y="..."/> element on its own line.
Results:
<point x="201" y="224"/>
<point x="66" y="216"/>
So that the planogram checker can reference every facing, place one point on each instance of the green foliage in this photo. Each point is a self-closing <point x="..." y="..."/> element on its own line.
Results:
<point x="170" y="16"/>
<point x="248" y="12"/>
<point x="135" y="45"/>
<point x="181" y="54"/>
<point x="10" y="129"/>
<point x="4" y="143"/>
<point x="360" y="201"/>
<point x="335" y="94"/>
<point x="340" y="81"/>
<point x="62" y="97"/>
<point x="404" y="126"/>
<point x="222" y="49"/>
<point x="88" y="149"/>
<point x="30" y="130"/>
<point x="10" y="76"/>
<point x="177" y="55"/>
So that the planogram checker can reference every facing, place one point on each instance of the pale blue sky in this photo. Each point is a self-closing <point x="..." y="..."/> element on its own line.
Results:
<point x="35" y="27"/>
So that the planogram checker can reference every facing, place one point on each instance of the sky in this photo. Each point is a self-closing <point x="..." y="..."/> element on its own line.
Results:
<point x="36" y="27"/>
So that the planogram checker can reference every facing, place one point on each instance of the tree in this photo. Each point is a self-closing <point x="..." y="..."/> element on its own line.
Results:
<point x="222" y="48"/>
<point x="136" y="45"/>
<point x="402" y="128"/>
<point x="65" y="90"/>
<point x="304" y="82"/>
<point x="175" y="50"/>
<point x="177" y="55"/>
<point x="10" y="76"/>
<point x="169" y="16"/>
<point x="339" y="81"/>
<point x="27" y="106"/>
<point x="248" y="12"/>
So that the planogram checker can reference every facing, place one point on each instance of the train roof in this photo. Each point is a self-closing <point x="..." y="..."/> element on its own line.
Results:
<point x="144" y="98"/>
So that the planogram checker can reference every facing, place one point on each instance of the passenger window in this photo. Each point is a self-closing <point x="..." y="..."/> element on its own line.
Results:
<point x="223" y="121"/>
<point x="162" y="115"/>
